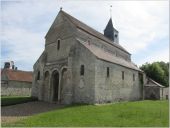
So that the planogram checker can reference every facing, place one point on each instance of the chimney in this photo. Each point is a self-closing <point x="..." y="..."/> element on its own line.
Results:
<point x="6" y="65"/>
<point x="13" y="67"/>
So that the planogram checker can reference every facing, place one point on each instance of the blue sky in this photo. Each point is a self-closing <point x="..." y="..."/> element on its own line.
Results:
<point x="143" y="27"/>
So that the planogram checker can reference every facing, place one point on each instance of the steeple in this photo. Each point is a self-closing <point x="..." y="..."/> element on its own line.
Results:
<point x="110" y="32"/>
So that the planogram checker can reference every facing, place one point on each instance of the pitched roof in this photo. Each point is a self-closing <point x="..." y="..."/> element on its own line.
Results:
<point x="155" y="83"/>
<point x="91" y="31"/>
<point x="17" y="75"/>
<point x="103" y="55"/>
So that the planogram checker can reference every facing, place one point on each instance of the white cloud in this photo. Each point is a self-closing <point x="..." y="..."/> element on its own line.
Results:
<point x="25" y="46"/>
<point x="25" y="23"/>
<point x="155" y="56"/>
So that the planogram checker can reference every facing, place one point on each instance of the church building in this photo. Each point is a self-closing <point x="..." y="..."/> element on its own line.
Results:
<point x="82" y="65"/>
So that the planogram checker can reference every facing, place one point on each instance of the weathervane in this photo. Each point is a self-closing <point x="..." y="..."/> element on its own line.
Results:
<point x="110" y="11"/>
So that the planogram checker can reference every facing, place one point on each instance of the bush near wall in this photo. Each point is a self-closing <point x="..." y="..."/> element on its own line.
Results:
<point x="12" y="100"/>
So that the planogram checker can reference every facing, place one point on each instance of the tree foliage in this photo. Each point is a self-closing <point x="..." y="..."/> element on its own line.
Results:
<point x="158" y="71"/>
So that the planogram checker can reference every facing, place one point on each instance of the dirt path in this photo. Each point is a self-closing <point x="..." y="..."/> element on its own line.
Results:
<point x="16" y="112"/>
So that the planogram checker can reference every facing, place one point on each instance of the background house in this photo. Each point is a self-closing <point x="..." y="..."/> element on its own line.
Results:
<point x="15" y="82"/>
<point x="155" y="91"/>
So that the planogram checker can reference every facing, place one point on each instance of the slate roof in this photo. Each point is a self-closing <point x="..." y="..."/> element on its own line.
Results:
<point x="103" y="55"/>
<point x="109" y="25"/>
<point x="91" y="31"/>
<point x="17" y="75"/>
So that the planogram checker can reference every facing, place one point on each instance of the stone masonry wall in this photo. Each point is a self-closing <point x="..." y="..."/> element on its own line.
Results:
<point x="83" y="86"/>
<point x="60" y="30"/>
<point x="113" y="88"/>
<point x="16" y="88"/>
<point x="165" y="93"/>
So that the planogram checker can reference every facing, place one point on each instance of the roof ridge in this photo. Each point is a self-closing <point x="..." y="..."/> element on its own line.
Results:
<point x="103" y="55"/>
<point x="16" y="70"/>
<point x="18" y="75"/>
<point x="156" y="82"/>
<point x="72" y="19"/>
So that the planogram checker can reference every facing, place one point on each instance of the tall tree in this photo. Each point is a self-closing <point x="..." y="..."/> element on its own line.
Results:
<point x="158" y="71"/>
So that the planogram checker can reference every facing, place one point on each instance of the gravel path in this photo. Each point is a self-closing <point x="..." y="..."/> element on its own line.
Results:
<point x="16" y="112"/>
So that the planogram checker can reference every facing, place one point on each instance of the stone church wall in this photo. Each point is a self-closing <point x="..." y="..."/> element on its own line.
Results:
<point x="53" y="54"/>
<point x="63" y="31"/>
<point x="83" y="85"/>
<point x="61" y="28"/>
<point x="113" y="88"/>
<point x="37" y="83"/>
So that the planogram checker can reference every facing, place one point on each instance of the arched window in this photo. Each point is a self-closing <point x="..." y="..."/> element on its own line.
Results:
<point x="58" y="44"/>
<point x="82" y="70"/>
<point x="38" y="75"/>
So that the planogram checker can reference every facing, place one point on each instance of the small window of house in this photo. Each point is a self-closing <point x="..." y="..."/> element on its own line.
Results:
<point x="58" y="44"/>
<point x="133" y="77"/>
<point x="108" y="72"/>
<point x="123" y="75"/>
<point x="82" y="70"/>
<point x="38" y="75"/>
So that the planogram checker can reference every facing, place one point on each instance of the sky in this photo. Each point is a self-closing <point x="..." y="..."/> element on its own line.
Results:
<point x="143" y="27"/>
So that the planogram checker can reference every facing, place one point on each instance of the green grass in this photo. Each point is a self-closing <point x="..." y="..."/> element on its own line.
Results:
<point x="141" y="113"/>
<point x="11" y="100"/>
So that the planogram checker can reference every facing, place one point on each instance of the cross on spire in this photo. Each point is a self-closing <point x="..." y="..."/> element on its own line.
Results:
<point x="111" y="11"/>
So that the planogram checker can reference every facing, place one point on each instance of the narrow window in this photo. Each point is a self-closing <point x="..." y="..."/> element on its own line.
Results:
<point x="58" y="44"/>
<point x="38" y="75"/>
<point x="108" y="72"/>
<point x="82" y="70"/>
<point x="122" y="75"/>
<point x="133" y="77"/>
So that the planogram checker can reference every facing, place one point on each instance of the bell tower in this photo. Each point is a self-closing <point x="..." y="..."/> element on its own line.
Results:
<point x="110" y="32"/>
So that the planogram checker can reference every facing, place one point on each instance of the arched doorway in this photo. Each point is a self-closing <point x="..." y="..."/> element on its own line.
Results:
<point x="55" y="86"/>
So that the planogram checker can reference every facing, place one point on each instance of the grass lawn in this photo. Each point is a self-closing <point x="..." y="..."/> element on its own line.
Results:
<point x="141" y="113"/>
<point x="11" y="100"/>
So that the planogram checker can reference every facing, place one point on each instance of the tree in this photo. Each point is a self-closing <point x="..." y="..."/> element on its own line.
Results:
<point x="158" y="71"/>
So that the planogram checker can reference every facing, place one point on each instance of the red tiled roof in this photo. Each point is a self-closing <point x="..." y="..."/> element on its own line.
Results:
<point x="17" y="75"/>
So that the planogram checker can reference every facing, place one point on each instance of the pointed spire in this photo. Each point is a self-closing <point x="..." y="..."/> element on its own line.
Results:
<point x="109" y="25"/>
<point x="110" y="32"/>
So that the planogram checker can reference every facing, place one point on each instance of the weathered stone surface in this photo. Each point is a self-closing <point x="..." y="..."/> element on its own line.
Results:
<point x="65" y="83"/>
<point x="16" y="88"/>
